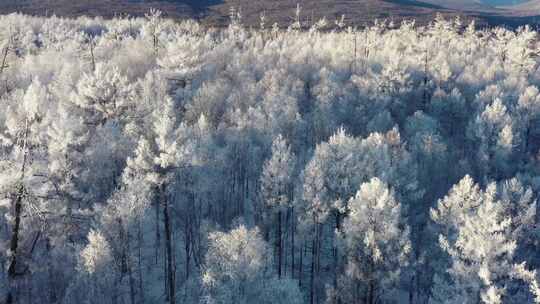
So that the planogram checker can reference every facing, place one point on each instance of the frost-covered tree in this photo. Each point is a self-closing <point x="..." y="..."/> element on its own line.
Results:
<point x="237" y="270"/>
<point x="158" y="161"/>
<point x="377" y="246"/>
<point x="330" y="178"/>
<point x="276" y="189"/>
<point x="528" y="116"/>
<point x="22" y="185"/>
<point x="480" y="249"/>
<point x="494" y="129"/>
<point x="103" y="94"/>
<point x="521" y="50"/>
<point x="96" y="278"/>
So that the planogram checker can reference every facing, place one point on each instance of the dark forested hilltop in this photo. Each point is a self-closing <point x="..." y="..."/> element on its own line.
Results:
<point x="216" y="12"/>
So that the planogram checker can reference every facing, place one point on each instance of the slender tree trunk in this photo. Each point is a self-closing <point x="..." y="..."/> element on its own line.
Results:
<point x="356" y="291"/>
<point x="4" y="59"/>
<point x="312" y="282"/>
<point x="187" y="246"/>
<point x="156" y="44"/>
<point x="301" y="266"/>
<point x="293" y="226"/>
<point x="353" y="70"/>
<point x="425" y="92"/>
<point x="92" y="57"/>
<point x="371" y="284"/>
<point x="279" y="243"/>
<point x="319" y="253"/>
<point x="14" y="242"/>
<point x="14" y="246"/>
<point x="114" y="296"/>
<point x="411" y="290"/>
<point x="3" y="65"/>
<point x="158" y="233"/>
<point x="140" y="245"/>
<point x="315" y="263"/>
<point x="168" y="247"/>
<point x="371" y="296"/>
<point x="526" y="141"/>
<point x="130" y="271"/>
<point x="286" y="235"/>
<point x="336" y="253"/>
<point x="51" y="284"/>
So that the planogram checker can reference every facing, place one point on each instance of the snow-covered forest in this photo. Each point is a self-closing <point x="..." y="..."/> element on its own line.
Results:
<point x="144" y="160"/>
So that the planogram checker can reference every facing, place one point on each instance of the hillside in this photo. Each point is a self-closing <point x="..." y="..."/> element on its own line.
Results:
<point x="503" y="6"/>
<point x="464" y="5"/>
<point x="215" y="12"/>
<point x="530" y="7"/>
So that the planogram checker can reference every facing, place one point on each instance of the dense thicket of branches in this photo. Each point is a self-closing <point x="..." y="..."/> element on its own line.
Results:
<point x="147" y="161"/>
